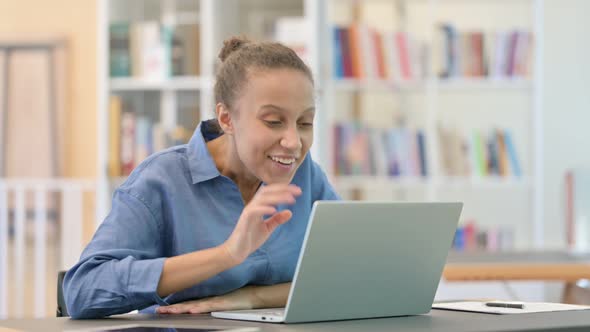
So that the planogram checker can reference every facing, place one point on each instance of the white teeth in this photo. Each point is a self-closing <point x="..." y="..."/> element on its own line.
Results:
<point x="286" y="161"/>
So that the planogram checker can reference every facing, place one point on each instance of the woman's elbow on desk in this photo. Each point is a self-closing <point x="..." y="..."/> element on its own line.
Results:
<point x="85" y="298"/>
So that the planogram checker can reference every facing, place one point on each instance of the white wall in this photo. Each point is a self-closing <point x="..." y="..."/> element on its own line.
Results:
<point x="566" y="104"/>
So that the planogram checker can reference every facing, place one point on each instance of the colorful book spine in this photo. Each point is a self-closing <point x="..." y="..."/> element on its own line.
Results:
<point x="364" y="53"/>
<point x="361" y="150"/>
<point x="471" y="237"/>
<point x="512" y="155"/>
<point x="500" y="54"/>
<point x="422" y="152"/>
<point x="119" y="52"/>
<point x="127" y="142"/>
<point x="338" y="53"/>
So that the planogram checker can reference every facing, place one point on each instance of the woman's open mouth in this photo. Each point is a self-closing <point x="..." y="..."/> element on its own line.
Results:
<point x="283" y="164"/>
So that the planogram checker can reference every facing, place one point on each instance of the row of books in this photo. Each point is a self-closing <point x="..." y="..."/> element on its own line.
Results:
<point x="360" y="150"/>
<point x="133" y="137"/>
<point x="362" y="52"/>
<point x="481" y="154"/>
<point x="469" y="237"/>
<point x="152" y="50"/>
<point x="499" y="54"/>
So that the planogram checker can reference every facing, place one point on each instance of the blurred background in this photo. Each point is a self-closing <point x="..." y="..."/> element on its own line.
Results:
<point x="481" y="101"/>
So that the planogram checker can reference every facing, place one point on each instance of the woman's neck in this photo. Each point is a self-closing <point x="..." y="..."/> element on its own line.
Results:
<point x="223" y="153"/>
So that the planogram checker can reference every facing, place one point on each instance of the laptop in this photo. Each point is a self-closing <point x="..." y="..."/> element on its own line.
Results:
<point x="365" y="260"/>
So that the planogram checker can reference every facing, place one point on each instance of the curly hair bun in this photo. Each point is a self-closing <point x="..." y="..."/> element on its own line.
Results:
<point x="231" y="45"/>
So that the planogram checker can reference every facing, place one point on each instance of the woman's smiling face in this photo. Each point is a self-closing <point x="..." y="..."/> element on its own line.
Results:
<point x="273" y="123"/>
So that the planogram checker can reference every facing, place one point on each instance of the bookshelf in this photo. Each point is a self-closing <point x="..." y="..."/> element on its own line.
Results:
<point x="167" y="97"/>
<point x="180" y="83"/>
<point x="422" y="101"/>
<point x="156" y="65"/>
<point x="508" y="102"/>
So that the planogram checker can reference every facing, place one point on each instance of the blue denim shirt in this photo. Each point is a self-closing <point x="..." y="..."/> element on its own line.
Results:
<point x="174" y="203"/>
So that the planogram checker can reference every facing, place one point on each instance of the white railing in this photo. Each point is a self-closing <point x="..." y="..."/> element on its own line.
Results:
<point x="41" y="232"/>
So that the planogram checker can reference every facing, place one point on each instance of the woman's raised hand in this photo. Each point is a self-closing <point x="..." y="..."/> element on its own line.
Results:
<point x="253" y="229"/>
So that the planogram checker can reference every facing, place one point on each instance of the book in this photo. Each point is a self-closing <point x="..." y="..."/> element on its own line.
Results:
<point x="114" y="159"/>
<point x="454" y="152"/>
<point x="362" y="150"/>
<point x="354" y="45"/>
<point x="143" y="138"/>
<point x="479" y="155"/>
<point x="185" y="55"/>
<point x="379" y="54"/>
<point x="119" y="56"/>
<point x="148" y="52"/>
<point x="403" y="48"/>
<point x="365" y="53"/>
<point x="346" y="53"/>
<point x="391" y="57"/>
<point x="497" y="54"/>
<point x="422" y="153"/>
<point x="512" y="155"/>
<point x="503" y="169"/>
<point x="127" y="143"/>
<point x="337" y="53"/>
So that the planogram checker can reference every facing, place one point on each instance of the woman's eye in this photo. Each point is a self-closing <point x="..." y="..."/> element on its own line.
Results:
<point x="273" y="123"/>
<point x="306" y="124"/>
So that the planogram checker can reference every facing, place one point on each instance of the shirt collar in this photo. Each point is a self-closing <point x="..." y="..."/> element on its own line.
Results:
<point x="201" y="163"/>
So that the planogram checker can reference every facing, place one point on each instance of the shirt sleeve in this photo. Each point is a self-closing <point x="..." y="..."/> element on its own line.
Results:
<point x="322" y="189"/>
<point x="120" y="269"/>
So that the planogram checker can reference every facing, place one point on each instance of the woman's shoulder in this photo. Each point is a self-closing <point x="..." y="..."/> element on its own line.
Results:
<point x="308" y="170"/>
<point x="311" y="175"/>
<point x="164" y="166"/>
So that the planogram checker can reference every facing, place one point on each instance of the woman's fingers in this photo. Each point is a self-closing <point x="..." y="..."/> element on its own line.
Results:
<point x="271" y="196"/>
<point x="179" y="308"/>
<point x="274" y="199"/>
<point x="280" y="188"/>
<point x="262" y="210"/>
<point x="170" y="309"/>
<point x="278" y="219"/>
<point x="194" y="307"/>
<point x="252" y="229"/>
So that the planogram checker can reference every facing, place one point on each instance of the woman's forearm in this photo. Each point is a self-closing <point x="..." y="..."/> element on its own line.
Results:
<point x="273" y="296"/>
<point x="184" y="271"/>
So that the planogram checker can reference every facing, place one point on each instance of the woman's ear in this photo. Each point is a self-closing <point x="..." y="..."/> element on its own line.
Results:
<point x="224" y="118"/>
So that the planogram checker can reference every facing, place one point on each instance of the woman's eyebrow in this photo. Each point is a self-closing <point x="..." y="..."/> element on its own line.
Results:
<point x="272" y="107"/>
<point x="280" y="109"/>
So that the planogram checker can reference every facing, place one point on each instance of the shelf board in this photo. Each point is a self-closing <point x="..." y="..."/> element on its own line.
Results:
<point x="452" y="84"/>
<point x="367" y="181"/>
<point x="174" y="83"/>
<point x="517" y="83"/>
<point x="483" y="182"/>
<point x="361" y="181"/>
<point x="349" y="84"/>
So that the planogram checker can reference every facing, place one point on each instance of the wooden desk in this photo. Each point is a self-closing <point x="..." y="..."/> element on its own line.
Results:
<point x="539" y="266"/>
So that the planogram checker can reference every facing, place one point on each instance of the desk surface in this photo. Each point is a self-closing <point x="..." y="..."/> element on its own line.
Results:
<point x="559" y="266"/>
<point x="519" y="257"/>
<point x="437" y="320"/>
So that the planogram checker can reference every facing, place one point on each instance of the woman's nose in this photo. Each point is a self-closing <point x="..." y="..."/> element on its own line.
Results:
<point x="291" y="139"/>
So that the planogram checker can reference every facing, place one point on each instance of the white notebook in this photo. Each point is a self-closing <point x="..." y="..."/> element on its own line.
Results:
<point x="528" y="307"/>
